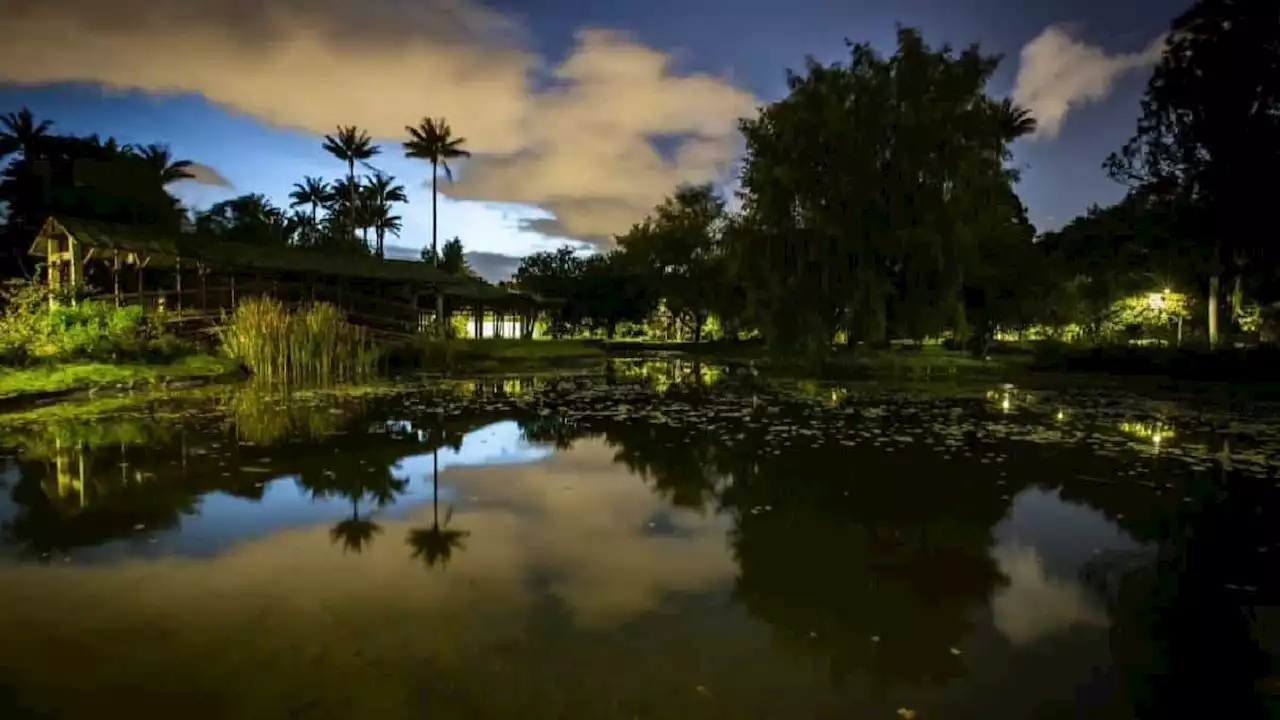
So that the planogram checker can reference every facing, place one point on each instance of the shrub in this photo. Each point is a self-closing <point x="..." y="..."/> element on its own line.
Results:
<point x="313" y="345"/>
<point x="33" y="328"/>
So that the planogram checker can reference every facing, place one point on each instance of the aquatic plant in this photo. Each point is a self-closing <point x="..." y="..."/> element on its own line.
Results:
<point x="312" y="345"/>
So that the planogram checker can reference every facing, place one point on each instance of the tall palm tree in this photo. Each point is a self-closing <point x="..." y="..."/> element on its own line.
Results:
<point x="163" y="166"/>
<point x="20" y="133"/>
<point x="351" y="145"/>
<point x="435" y="545"/>
<point x="432" y="140"/>
<point x="383" y="190"/>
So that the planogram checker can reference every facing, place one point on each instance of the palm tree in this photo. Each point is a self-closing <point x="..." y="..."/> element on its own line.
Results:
<point x="433" y="140"/>
<point x="435" y="545"/>
<point x="163" y="166"/>
<point x="351" y="144"/>
<point x="385" y="223"/>
<point x="382" y="191"/>
<point x="312" y="191"/>
<point x="20" y="133"/>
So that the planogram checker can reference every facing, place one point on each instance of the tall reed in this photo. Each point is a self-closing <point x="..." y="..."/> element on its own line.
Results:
<point x="313" y="345"/>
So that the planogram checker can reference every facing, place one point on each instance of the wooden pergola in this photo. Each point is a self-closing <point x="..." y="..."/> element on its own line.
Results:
<point x="193" y="278"/>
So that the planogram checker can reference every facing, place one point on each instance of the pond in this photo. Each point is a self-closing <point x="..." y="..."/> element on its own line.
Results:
<point x="657" y="543"/>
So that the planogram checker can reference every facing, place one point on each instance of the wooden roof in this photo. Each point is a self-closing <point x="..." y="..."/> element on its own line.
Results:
<point x="160" y="248"/>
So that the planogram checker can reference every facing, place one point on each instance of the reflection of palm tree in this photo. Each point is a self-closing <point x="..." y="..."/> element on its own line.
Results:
<point x="357" y="485"/>
<point x="355" y="532"/>
<point x="435" y="545"/>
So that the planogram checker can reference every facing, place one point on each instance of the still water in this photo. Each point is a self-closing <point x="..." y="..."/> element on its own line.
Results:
<point x="642" y="547"/>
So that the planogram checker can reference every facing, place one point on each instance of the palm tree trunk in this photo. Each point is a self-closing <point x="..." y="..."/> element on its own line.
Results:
<point x="435" y="253"/>
<point x="351" y="191"/>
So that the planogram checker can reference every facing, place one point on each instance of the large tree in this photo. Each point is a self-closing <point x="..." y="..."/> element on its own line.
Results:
<point x="678" y="245"/>
<point x="1209" y="138"/>
<point x="872" y="185"/>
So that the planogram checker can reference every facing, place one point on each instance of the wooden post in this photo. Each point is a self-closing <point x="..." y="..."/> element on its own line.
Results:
<point x="51" y="269"/>
<point x="177" y="273"/>
<point x="203" y="271"/>
<point x="233" y="291"/>
<point x="115" y="277"/>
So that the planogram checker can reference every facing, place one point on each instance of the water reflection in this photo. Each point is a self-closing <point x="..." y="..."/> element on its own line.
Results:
<point x="628" y="550"/>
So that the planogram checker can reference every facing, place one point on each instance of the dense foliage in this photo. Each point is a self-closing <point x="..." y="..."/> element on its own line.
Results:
<point x="878" y="203"/>
<point x="33" y="330"/>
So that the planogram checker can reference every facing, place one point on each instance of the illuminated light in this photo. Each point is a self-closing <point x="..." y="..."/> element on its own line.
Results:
<point x="1156" y="300"/>
<point x="1060" y="415"/>
<point x="1156" y="439"/>
<point x="1004" y="404"/>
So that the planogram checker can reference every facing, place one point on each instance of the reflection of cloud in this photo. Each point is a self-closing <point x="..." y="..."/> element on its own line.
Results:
<point x="577" y="519"/>
<point x="1034" y="605"/>
<point x="1058" y="72"/>
<point x="569" y="134"/>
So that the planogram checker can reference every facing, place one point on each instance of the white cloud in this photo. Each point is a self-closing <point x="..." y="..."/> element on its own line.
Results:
<point x="202" y="174"/>
<point x="571" y="138"/>
<point x="1058" y="73"/>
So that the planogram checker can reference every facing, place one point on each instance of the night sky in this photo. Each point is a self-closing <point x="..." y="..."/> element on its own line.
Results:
<point x="582" y="115"/>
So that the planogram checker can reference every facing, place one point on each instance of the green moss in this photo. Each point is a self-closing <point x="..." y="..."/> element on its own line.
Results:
<point x="66" y="377"/>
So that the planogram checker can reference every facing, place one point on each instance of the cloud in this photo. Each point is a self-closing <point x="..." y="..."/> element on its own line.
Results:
<point x="572" y="137"/>
<point x="491" y="266"/>
<point x="1057" y="73"/>
<point x="494" y="267"/>
<point x="204" y="175"/>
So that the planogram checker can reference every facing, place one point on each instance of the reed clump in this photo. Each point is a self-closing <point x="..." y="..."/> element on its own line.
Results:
<point x="313" y="345"/>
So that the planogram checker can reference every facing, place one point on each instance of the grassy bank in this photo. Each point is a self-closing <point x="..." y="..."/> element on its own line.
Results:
<point x="1259" y="365"/>
<point x="68" y="377"/>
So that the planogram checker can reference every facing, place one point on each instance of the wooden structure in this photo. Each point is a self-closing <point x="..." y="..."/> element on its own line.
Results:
<point x="195" y="279"/>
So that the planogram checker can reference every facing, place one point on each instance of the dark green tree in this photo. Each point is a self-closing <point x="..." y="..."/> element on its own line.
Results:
<point x="1209" y="140"/>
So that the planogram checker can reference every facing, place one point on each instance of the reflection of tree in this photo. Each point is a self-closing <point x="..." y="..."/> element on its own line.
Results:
<point x="901" y="553"/>
<point x="435" y="545"/>
<point x="832" y="565"/>
<point x="550" y="429"/>
<point x="1181" y="626"/>
<point x="678" y="464"/>
<point x="357" y="483"/>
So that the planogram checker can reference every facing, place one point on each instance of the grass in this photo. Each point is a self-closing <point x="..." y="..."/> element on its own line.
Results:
<point x="66" y="377"/>
<point x="314" y="345"/>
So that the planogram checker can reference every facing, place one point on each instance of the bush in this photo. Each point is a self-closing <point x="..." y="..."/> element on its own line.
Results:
<point x="34" y="328"/>
<point x="313" y="345"/>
